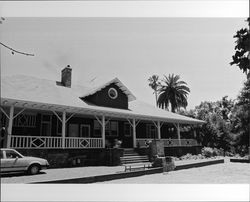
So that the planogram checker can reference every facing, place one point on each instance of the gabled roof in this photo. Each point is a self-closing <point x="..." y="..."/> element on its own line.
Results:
<point x="34" y="93"/>
<point x="98" y="84"/>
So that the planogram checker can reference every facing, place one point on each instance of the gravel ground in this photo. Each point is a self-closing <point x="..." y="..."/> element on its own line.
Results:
<point x="220" y="173"/>
<point x="227" y="173"/>
<point x="60" y="173"/>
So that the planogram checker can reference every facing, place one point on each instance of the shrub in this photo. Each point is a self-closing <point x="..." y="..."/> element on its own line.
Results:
<point x="207" y="152"/>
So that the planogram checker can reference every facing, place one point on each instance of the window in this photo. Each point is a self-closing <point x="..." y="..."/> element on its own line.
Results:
<point x="127" y="129"/>
<point x="112" y="93"/>
<point x="46" y="125"/>
<point x="111" y="128"/>
<point x="1" y="154"/>
<point x="12" y="154"/>
<point x="73" y="130"/>
<point x="97" y="129"/>
<point x="59" y="127"/>
<point x="25" y="120"/>
<point x="150" y="131"/>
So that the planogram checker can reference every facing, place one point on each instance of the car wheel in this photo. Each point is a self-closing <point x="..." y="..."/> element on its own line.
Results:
<point x="33" y="169"/>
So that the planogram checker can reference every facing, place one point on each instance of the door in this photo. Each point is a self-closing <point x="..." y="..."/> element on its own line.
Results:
<point x="12" y="161"/>
<point x="127" y="141"/>
<point x="85" y="130"/>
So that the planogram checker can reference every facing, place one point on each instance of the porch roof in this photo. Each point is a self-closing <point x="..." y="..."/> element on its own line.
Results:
<point x="42" y="94"/>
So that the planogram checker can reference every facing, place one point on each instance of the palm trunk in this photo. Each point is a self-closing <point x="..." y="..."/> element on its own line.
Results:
<point x="156" y="98"/>
<point x="172" y="108"/>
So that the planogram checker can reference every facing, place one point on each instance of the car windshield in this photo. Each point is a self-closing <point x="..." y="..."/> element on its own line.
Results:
<point x="12" y="154"/>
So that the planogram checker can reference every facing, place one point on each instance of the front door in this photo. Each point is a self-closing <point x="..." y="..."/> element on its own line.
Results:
<point x="127" y="141"/>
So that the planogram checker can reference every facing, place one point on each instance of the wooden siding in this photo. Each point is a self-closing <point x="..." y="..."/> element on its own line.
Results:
<point x="101" y="98"/>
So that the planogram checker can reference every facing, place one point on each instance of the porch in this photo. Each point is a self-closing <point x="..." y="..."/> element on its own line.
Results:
<point x="32" y="126"/>
<point x="39" y="142"/>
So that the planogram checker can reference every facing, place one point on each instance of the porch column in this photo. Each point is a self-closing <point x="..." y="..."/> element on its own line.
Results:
<point x="159" y="129"/>
<point x="10" y="126"/>
<point x="103" y="131"/>
<point x="134" y="133"/>
<point x="63" y="128"/>
<point x="179" y="133"/>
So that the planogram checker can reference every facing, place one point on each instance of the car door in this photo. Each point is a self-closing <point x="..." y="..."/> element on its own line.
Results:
<point x="13" y="161"/>
<point x="4" y="164"/>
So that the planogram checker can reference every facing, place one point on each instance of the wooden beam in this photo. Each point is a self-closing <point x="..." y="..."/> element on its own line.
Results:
<point x="18" y="113"/>
<point x="179" y="134"/>
<point x="134" y="133"/>
<point x="70" y="117"/>
<point x="10" y="126"/>
<point x="57" y="116"/>
<point x="159" y="129"/>
<point x="103" y="131"/>
<point x="63" y="128"/>
<point x="5" y="113"/>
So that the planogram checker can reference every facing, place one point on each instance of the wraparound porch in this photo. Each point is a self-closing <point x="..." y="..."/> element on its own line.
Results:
<point x="39" y="142"/>
<point x="13" y="110"/>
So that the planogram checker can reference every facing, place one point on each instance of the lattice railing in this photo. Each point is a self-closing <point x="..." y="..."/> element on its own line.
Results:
<point x="54" y="142"/>
<point x="75" y="142"/>
<point x="169" y="142"/>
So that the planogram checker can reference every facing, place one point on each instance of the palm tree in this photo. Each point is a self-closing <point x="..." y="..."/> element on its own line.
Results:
<point x="173" y="92"/>
<point x="154" y="84"/>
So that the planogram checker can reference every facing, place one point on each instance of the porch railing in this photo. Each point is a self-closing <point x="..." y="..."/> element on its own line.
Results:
<point x="169" y="142"/>
<point x="54" y="142"/>
<point x="75" y="142"/>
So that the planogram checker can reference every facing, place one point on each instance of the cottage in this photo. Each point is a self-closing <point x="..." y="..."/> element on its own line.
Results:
<point x="55" y="119"/>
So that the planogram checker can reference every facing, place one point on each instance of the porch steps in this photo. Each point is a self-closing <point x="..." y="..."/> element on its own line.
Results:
<point x="130" y="156"/>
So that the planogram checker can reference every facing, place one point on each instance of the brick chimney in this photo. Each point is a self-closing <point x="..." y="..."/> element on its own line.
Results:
<point x="66" y="76"/>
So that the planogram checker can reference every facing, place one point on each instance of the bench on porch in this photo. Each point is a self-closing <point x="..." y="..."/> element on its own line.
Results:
<point x="144" y="165"/>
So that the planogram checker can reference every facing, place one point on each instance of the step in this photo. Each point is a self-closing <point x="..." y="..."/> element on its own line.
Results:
<point x="134" y="157"/>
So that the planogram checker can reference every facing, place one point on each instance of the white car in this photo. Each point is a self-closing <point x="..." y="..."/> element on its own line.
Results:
<point x="13" y="161"/>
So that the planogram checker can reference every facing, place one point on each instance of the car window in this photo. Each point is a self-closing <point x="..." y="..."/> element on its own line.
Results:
<point x="1" y="154"/>
<point x="11" y="154"/>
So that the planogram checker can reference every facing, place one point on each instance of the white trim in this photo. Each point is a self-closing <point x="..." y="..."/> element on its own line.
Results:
<point x="115" y="91"/>
<point x="131" y="97"/>
<point x="63" y="129"/>
<point x="98" y="111"/>
<point x="5" y="113"/>
<point x="19" y="113"/>
<point x="70" y="117"/>
<point x="12" y="109"/>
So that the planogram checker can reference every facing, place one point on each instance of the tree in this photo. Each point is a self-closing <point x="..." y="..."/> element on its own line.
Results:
<point x="154" y="84"/>
<point x="241" y="58"/>
<point x="241" y="118"/>
<point x="173" y="92"/>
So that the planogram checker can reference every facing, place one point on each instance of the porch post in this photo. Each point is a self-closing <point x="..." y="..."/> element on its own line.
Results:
<point x="195" y="135"/>
<point x="179" y="133"/>
<point x="103" y="131"/>
<point x="159" y="129"/>
<point x="134" y="134"/>
<point x="63" y="128"/>
<point x="10" y="126"/>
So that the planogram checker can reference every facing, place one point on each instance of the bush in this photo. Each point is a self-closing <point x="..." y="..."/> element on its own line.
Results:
<point x="207" y="152"/>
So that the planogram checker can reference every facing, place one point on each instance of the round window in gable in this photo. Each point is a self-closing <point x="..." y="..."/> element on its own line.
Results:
<point x="113" y="93"/>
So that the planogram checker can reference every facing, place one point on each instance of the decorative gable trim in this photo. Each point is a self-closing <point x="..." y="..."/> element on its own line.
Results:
<point x="117" y="82"/>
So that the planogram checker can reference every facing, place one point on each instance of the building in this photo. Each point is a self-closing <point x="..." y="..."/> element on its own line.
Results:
<point x="57" y="120"/>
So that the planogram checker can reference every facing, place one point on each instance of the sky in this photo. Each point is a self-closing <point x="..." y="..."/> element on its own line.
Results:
<point x="132" y="49"/>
